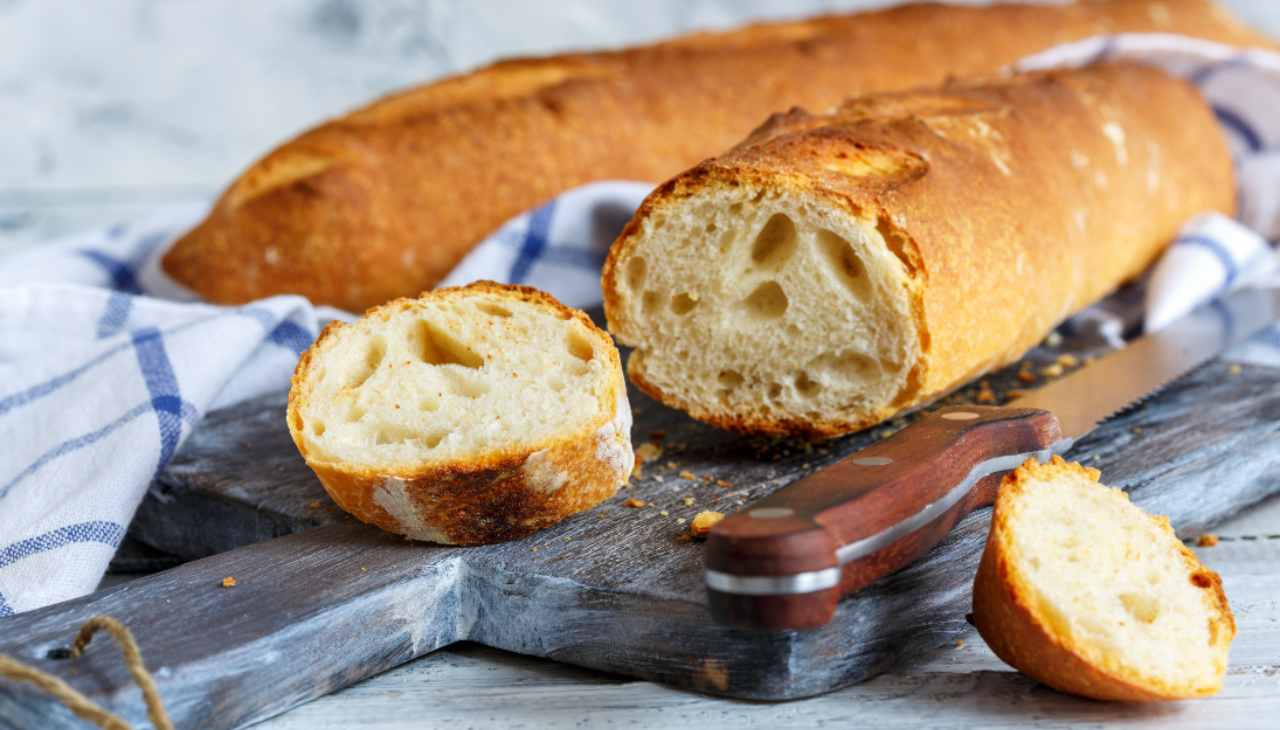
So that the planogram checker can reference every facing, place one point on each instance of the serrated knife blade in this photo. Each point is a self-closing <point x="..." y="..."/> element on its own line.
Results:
<point x="785" y="561"/>
<point x="1113" y="382"/>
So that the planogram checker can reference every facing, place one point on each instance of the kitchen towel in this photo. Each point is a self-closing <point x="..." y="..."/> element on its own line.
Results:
<point x="106" y="365"/>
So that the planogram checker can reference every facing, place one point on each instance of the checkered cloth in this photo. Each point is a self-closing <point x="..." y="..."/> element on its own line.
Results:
<point x="106" y="366"/>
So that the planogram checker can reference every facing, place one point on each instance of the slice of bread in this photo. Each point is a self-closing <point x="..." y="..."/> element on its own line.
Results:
<point x="468" y="415"/>
<point x="1083" y="591"/>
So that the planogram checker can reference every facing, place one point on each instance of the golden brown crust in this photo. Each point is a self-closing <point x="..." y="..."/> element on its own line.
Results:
<point x="1010" y="203"/>
<point x="384" y="202"/>
<point x="1007" y="617"/>
<point x="506" y="493"/>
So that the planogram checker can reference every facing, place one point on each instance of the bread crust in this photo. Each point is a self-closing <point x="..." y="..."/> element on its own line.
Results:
<point x="1010" y="204"/>
<point x="383" y="202"/>
<point x="507" y="493"/>
<point x="1006" y="615"/>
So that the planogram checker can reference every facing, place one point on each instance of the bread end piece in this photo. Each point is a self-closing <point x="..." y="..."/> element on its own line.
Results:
<point x="1084" y="592"/>
<point x="720" y="266"/>
<point x="466" y="416"/>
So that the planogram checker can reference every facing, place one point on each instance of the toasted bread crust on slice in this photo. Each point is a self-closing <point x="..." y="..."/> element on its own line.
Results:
<point x="1018" y="626"/>
<point x="500" y="492"/>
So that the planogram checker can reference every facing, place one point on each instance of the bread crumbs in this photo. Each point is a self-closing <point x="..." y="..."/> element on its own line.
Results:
<point x="680" y="520"/>
<point x="229" y="582"/>
<point x="1051" y="371"/>
<point x="665" y="513"/>
<point x="645" y="453"/>
<point x="688" y="501"/>
<point x="1207" y="540"/>
<point x="1025" y="374"/>
<point x="686" y="474"/>
<point x="703" y="522"/>
<point x="1067" y="360"/>
<point x="724" y="484"/>
<point x="1235" y="369"/>
<point x="635" y="503"/>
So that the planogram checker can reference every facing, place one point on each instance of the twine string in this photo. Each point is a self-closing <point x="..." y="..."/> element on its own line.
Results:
<point x="83" y="707"/>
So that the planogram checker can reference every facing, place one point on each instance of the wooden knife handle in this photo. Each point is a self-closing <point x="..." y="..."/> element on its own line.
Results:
<point x="784" y="562"/>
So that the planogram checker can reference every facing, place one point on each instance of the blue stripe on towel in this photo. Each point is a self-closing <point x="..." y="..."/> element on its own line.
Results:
<point x="115" y="315"/>
<point x="40" y="390"/>
<point x="1240" y="126"/>
<point x="5" y="608"/>
<point x="1219" y="252"/>
<point x="535" y="240"/>
<point x="291" y="336"/>
<point x="162" y="385"/>
<point x="97" y="531"/>
<point x="75" y="444"/>
<point x="121" y="273"/>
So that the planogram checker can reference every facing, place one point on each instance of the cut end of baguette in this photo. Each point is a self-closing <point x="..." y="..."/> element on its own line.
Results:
<point x="705" y="281"/>
<point x="467" y="415"/>
<point x="1085" y="592"/>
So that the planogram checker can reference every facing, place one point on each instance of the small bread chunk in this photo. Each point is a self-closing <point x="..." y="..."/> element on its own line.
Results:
<point x="468" y="415"/>
<point x="1085" y="592"/>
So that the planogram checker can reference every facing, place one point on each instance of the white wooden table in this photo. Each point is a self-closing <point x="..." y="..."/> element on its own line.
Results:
<point x="108" y="110"/>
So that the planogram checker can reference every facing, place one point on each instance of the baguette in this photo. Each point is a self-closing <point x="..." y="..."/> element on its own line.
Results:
<point x="469" y="415"/>
<point x="1083" y="591"/>
<point x="385" y="201"/>
<point x="834" y="270"/>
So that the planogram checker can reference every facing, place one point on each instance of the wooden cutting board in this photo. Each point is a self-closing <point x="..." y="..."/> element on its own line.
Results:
<point x="616" y="589"/>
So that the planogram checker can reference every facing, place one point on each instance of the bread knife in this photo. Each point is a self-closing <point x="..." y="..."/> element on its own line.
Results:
<point x="786" y="560"/>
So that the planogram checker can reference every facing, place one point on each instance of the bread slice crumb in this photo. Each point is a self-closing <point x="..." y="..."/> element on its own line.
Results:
<point x="1083" y="591"/>
<point x="703" y="522"/>
<point x="1208" y="539"/>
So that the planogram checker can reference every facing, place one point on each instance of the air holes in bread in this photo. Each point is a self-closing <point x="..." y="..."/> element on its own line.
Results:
<point x="372" y="359"/>
<point x="579" y="346"/>
<point x="767" y="301"/>
<point x="497" y="310"/>
<point x="682" y="303"/>
<point x="1140" y="606"/>
<point x="428" y="404"/>
<point x="650" y="302"/>
<point x="354" y="413"/>
<point x="844" y="264"/>
<point x="438" y="347"/>
<point x="637" y="267"/>
<point x="433" y="440"/>
<point x="730" y="378"/>
<point x="392" y="435"/>
<point x="318" y="428"/>
<point x="775" y="243"/>
<point x="806" y="386"/>
<point x="467" y="386"/>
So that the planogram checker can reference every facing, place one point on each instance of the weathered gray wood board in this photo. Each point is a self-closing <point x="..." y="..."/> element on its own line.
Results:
<point x="615" y="589"/>
<point x="957" y="687"/>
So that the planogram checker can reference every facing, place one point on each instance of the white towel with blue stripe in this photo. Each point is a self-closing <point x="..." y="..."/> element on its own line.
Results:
<point x="106" y="366"/>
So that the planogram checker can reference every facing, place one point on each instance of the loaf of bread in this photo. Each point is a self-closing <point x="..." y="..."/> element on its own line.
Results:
<point x="383" y="202"/>
<point x="1083" y="591"/>
<point x="834" y="270"/>
<point x="469" y="415"/>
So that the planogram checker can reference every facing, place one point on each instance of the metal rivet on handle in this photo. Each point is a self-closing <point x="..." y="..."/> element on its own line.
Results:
<point x="771" y="513"/>
<point x="873" y="461"/>
<point x="960" y="416"/>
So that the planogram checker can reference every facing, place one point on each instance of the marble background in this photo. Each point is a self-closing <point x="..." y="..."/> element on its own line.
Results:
<point x="110" y="108"/>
